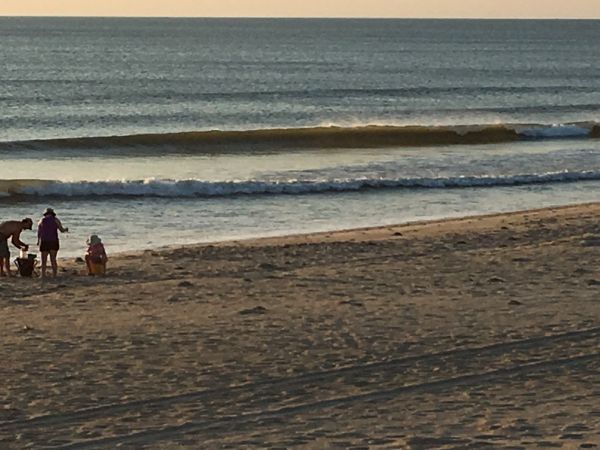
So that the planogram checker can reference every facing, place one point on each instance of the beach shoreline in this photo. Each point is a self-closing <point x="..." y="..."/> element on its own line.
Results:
<point x="473" y="331"/>
<point x="377" y="232"/>
<point x="380" y="231"/>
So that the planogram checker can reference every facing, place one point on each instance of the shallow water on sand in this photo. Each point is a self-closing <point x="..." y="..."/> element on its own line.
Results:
<point x="127" y="224"/>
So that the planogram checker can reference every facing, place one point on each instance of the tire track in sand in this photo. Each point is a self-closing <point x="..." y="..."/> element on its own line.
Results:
<point x="168" y="432"/>
<point x="496" y="350"/>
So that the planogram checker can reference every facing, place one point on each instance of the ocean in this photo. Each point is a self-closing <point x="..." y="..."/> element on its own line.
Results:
<point x="154" y="132"/>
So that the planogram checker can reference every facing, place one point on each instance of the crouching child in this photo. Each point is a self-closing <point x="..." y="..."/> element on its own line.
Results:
<point x="95" y="256"/>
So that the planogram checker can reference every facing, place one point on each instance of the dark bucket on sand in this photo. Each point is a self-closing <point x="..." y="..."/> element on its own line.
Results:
<point x="26" y="266"/>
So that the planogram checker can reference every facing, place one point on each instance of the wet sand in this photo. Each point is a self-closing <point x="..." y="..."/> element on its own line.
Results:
<point x="475" y="333"/>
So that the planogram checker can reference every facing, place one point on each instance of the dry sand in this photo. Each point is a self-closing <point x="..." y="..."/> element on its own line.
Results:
<point x="476" y="333"/>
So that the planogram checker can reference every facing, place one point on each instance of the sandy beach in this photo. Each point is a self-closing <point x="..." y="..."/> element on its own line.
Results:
<point x="472" y="333"/>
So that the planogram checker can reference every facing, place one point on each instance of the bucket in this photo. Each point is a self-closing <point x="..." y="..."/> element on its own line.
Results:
<point x="97" y="268"/>
<point x="25" y="266"/>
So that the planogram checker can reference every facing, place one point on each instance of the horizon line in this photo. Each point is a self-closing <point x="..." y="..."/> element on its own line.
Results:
<point x="293" y="17"/>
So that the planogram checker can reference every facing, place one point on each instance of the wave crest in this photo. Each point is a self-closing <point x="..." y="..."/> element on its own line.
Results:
<point x="200" y="188"/>
<point x="370" y="136"/>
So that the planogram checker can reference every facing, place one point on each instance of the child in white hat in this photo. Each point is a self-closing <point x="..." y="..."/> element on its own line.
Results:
<point x="95" y="254"/>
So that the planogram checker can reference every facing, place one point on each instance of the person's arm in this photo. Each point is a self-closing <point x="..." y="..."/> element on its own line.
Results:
<point x="60" y="226"/>
<point x="17" y="242"/>
<point x="39" y="233"/>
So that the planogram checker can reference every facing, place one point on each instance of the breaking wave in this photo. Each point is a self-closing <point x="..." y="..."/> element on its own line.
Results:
<point x="370" y="136"/>
<point x="198" y="188"/>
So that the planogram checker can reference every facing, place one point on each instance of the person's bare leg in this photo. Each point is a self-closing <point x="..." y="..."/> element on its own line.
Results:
<point x="7" y="266"/>
<point x="44" y="263"/>
<point x="2" y="264"/>
<point x="88" y="264"/>
<point x="53" y="254"/>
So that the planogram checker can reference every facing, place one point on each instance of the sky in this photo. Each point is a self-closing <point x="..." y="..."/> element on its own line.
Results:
<point x="586" y="9"/>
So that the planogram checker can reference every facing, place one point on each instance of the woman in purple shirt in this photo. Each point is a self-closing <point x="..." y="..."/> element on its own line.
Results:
<point x="48" y="229"/>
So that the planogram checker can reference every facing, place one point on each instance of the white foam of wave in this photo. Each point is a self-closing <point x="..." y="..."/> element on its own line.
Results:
<point x="199" y="188"/>
<point x="555" y="131"/>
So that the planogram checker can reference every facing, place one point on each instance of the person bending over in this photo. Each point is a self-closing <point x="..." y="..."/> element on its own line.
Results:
<point x="11" y="230"/>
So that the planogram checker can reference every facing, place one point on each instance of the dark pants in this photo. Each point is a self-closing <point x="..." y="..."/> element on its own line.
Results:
<point x="49" y="246"/>
<point x="4" y="251"/>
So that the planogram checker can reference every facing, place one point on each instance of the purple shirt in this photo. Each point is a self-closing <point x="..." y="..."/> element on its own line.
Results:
<point x="48" y="229"/>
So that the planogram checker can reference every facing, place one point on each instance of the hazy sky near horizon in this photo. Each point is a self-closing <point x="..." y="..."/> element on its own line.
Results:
<point x="305" y="8"/>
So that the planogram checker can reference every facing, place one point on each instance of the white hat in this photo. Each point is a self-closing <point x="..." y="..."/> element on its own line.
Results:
<point x="94" y="240"/>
